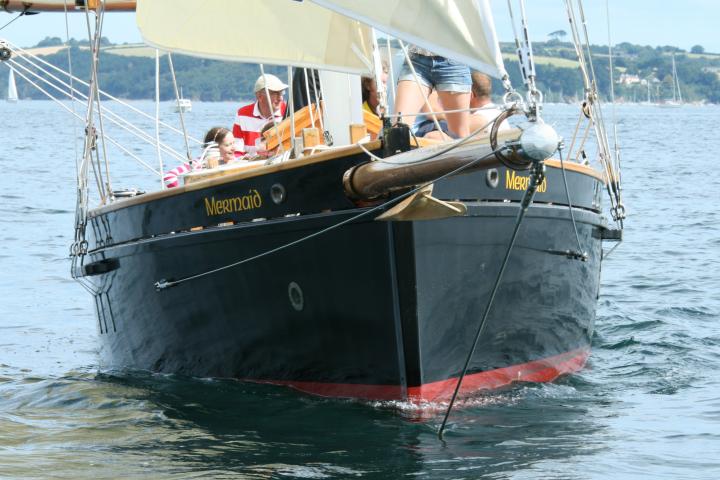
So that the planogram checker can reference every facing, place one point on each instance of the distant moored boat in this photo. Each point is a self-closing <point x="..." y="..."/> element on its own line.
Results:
<point x="12" y="95"/>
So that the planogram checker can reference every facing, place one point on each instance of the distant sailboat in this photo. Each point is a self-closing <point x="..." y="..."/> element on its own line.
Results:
<point x="677" y="100"/>
<point x="183" y="104"/>
<point x="12" y="95"/>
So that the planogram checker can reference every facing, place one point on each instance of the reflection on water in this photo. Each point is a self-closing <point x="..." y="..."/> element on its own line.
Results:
<point x="89" y="423"/>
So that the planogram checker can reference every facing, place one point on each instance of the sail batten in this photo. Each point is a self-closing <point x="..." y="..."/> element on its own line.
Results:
<point x="462" y="30"/>
<point x="276" y="32"/>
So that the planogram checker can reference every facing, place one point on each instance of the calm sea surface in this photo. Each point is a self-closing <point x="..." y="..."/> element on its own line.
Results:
<point x="647" y="405"/>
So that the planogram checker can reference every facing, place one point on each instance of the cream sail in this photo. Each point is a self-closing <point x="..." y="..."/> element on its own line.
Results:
<point x="278" y="32"/>
<point x="459" y="29"/>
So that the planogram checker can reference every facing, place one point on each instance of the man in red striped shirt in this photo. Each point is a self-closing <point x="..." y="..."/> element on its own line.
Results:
<point x="253" y="117"/>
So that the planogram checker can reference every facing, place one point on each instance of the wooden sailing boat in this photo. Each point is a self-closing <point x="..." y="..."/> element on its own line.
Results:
<point x="372" y="269"/>
<point x="12" y="95"/>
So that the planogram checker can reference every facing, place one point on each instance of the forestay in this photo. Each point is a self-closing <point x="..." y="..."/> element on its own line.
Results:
<point x="463" y="30"/>
<point x="279" y="32"/>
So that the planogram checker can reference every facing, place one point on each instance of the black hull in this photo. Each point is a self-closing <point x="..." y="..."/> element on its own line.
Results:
<point x="373" y="309"/>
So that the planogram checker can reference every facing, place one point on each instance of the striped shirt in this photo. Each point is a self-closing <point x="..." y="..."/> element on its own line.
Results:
<point x="171" y="178"/>
<point x="248" y="124"/>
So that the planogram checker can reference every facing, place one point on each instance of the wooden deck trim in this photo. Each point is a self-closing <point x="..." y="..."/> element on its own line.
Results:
<point x="576" y="167"/>
<point x="323" y="156"/>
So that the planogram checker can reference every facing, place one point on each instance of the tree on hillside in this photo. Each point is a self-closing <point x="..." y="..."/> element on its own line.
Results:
<point x="557" y="35"/>
<point x="697" y="49"/>
<point x="50" y="42"/>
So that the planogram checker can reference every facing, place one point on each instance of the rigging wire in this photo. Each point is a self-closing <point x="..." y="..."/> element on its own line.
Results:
<point x="583" y="253"/>
<point x="319" y="99"/>
<point x="111" y="116"/>
<point x="291" y="103"/>
<point x="391" y="73"/>
<point x="99" y="22"/>
<point x="307" y="95"/>
<point x="23" y="13"/>
<point x="616" y="145"/>
<point x="90" y="137"/>
<point x="179" y="107"/>
<point x="594" y="115"/>
<point x="157" y="116"/>
<point x="72" y="92"/>
<point x="25" y="55"/>
<point x="270" y="105"/>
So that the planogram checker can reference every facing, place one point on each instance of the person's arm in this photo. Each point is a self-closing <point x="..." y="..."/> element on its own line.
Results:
<point x="171" y="179"/>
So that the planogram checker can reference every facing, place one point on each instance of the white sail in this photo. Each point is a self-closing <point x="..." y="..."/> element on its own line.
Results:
<point x="463" y="30"/>
<point x="12" y="95"/>
<point x="676" y="82"/>
<point x="280" y="32"/>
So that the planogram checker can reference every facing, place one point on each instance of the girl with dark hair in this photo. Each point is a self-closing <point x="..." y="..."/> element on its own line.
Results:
<point x="218" y="149"/>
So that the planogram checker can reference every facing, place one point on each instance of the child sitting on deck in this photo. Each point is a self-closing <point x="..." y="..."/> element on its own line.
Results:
<point x="218" y="149"/>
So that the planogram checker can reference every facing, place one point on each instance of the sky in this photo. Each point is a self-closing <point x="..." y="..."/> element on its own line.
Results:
<point x="645" y="22"/>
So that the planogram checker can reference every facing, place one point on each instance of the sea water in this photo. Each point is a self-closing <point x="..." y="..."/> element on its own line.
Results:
<point x="646" y="406"/>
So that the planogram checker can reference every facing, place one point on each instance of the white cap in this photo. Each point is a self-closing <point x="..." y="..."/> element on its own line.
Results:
<point x="272" y="82"/>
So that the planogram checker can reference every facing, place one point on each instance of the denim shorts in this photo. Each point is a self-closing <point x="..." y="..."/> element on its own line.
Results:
<point x="443" y="74"/>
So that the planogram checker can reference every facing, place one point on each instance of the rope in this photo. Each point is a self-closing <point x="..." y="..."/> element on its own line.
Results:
<point x="595" y="111"/>
<point x="581" y="145"/>
<point x="536" y="178"/>
<point x="99" y="20"/>
<point x="457" y="110"/>
<point x="574" y="136"/>
<point x="606" y="255"/>
<point x="583" y="253"/>
<point x="164" y="284"/>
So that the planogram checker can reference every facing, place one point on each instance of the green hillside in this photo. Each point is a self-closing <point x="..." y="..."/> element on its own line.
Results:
<point x="127" y="71"/>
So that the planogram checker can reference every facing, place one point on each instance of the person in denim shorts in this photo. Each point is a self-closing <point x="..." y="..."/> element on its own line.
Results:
<point x="449" y="78"/>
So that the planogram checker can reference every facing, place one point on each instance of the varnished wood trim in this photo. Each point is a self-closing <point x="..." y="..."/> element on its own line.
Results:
<point x="232" y="177"/>
<point x="59" y="5"/>
<point x="289" y="165"/>
<point x="576" y="167"/>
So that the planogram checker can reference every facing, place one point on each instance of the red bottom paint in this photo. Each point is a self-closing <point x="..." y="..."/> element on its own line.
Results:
<point x="543" y="370"/>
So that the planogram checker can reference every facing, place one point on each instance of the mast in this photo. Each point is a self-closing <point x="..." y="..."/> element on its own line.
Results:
<point x="674" y="78"/>
<point x="676" y="81"/>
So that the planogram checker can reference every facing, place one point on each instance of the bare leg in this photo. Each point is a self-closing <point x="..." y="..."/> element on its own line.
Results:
<point x="458" y="122"/>
<point x="409" y="99"/>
